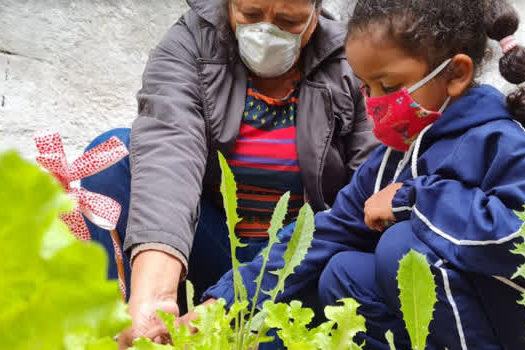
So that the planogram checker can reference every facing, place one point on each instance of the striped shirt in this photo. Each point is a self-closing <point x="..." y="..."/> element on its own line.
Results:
<point x="264" y="161"/>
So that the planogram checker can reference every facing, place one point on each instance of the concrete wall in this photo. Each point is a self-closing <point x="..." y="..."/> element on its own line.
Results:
<point x="75" y="65"/>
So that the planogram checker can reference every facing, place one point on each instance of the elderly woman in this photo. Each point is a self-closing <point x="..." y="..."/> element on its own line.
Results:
<point x="267" y="84"/>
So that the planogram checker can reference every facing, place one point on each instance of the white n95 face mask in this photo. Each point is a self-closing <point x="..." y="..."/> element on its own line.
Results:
<point x="267" y="50"/>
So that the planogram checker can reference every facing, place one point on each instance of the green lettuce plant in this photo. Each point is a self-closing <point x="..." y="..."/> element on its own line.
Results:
<point x="53" y="289"/>
<point x="520" y="250"/>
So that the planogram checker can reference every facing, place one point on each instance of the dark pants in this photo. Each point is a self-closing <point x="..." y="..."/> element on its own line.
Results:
<point x="370" y="278"/>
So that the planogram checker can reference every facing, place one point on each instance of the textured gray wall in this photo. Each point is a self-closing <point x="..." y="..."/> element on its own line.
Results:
<point x="75" y="65"/>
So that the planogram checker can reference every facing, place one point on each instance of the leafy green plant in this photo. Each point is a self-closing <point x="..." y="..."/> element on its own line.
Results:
<point x="338" y="332"/>
<point x="293" y="321"/>
<point x="241" y="327"/>
<point x="53" y="289"/>
<point x="520" y="250"/>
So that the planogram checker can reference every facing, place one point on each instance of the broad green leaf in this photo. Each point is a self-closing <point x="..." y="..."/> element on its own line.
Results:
<point x="349" y="323"/>
<point x="389" y="336"/>
<point x="292" y="322"/>
<point x="190" y="295"/>
<point x="297" y="248"/>
<point x="292" y="331"/>
<point x="417" y="296"/>
<point x="277" y="315"/>
<point x="53" y="289"/>
<point x="302" y="316"/>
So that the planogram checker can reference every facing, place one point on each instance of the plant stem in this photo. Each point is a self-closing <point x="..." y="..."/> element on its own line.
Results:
<point x="258" y="289"/>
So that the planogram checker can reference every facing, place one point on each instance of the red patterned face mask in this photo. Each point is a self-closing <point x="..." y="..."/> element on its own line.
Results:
<point x="398" y="119"/>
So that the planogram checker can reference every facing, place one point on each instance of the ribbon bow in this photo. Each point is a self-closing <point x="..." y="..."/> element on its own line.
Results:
<point x="100" y="210"/>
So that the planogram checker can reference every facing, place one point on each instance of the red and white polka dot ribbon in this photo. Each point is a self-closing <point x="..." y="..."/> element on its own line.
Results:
<point x="100" y="210"/>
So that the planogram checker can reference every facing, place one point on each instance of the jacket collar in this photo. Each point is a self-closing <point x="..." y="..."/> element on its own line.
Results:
<point x="327" y="39"/>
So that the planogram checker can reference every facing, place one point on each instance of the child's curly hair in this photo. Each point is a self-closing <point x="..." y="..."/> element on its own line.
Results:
<point x="439" y="29"/>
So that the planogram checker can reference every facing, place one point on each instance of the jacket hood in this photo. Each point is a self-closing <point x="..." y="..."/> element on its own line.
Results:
<point x="328" y="38"/>
<point x="481" y="105"/>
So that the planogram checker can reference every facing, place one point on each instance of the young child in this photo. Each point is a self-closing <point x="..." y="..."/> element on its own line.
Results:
<point x="446" y="182"/>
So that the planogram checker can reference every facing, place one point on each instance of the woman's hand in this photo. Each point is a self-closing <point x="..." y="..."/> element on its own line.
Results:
<point x="146" y="323"/>
<point x="154" y="283"/>
<point x="158" y="332"/>
<point x="378" y="208"/>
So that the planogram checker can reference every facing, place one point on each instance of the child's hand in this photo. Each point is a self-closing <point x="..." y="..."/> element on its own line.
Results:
<point x="191" y="316"/>
<point x="378" y="208"/>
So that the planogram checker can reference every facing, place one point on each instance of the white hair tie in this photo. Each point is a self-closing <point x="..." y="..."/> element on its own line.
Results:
<point x="508" y="43"/>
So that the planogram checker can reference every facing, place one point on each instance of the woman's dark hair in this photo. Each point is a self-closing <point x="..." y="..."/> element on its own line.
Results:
<point x="440" y="29"/>
<point x="226" y="36"/>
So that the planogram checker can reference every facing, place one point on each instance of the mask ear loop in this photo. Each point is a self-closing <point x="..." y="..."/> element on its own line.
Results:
<point x="309" y="20"/>
<point x="234" y="13"/>
<point x="430" y="76"/>
<point x="445" y="105"/>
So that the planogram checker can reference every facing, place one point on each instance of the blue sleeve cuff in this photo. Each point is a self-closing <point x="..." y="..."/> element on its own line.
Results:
<point x="222" y="290"/>
<point x="403" y="202"/>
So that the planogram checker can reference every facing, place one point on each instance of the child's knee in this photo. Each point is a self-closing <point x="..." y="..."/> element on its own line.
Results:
<point x="395" y="243"/>
<point x="123" y="134"/>
<point x="347" y="275"/>
<point x="328" y="280"/>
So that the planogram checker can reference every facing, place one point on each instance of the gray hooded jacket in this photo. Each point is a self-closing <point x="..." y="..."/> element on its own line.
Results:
<point x="190" y="107"/>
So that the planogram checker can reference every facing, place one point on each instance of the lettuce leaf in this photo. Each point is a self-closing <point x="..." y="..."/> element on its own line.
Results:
<point x="53" y="289"/>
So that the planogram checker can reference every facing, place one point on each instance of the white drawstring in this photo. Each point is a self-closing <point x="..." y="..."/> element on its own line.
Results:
<point x="381" y="172"/>
<point x="415" y="155"/>
<point x="412" y="153"/>
<point x="403" y="163"/>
